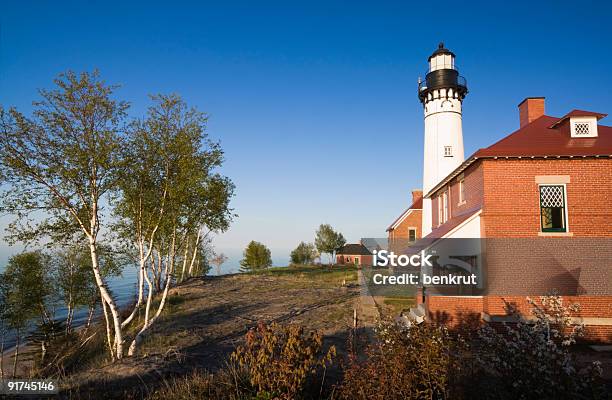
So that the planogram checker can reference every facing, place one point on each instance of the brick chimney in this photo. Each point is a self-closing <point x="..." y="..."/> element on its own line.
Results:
<point x="416" y="195"/>
<point x="530" y="109"/>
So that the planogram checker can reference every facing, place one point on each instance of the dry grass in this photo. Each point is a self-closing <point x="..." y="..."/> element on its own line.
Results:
<point x="206" y="319"/>
<point x="397" y="304"/>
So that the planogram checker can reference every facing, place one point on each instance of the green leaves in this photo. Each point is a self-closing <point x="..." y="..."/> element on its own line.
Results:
<point x="168" y="179"/>
<point x="327" y="240"/>
<point x="26" y="286"/>
<point x="304" y="253"/>
<point x="256" y="256"/>
<point x="64" y="158"/>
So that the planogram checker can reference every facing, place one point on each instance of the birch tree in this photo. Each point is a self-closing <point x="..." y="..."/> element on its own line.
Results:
<point x="141" y="195"/>
<point x="328" y="241"/>
<point x="167" y="214"/>
<point x="59" y="164"/>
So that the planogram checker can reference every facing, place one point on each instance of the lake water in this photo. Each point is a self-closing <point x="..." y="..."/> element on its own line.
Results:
<point x="123" y="289"/>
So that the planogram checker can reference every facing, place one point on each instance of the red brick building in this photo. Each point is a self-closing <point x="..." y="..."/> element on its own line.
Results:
<point x="552" y="178"/>
<point x="354" y="253"/>
<point x="407" y="227"/>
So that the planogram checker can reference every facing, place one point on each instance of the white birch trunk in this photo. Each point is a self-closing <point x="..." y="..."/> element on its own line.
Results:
<point x="141" y="273"/>
<point x="195" y="253"/>
<point x="109" y="338"/>
<point x="90" y="313"/>
<point x="169" y="270"/>
<point x="106" y="297"/>
<point x="185" y="260"/>
<point x="16" y="360"/>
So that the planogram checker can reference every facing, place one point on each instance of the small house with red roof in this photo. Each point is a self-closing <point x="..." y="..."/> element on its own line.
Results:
<point x="354" y="254"/>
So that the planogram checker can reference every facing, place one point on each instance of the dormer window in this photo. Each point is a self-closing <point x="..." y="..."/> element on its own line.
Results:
<point x="583" y="127"/>
<point x="583" y="124"/>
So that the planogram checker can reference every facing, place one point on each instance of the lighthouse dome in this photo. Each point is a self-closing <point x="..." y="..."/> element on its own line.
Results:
<point x="441" y="50"/>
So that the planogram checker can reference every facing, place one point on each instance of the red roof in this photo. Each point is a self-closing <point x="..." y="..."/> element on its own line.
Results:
<point x="538" y="139"/>
<point x="417" y="205"/>
<point x="543" y="138"/>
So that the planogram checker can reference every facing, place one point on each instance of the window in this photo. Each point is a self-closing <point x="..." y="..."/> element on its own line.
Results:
<point x="443" y="208"/>
<point x="440" y="214"/>
<point x="581" y="128"/>
<point x="445" y="202"/>
<point x="461" y="191"/>
<point x="448" y="151"/>
<point x="412" y="234"/>
<point x="356" y="260"/>
<point x="552" y="208"/>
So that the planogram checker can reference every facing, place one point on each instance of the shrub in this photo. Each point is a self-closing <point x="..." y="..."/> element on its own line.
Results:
<point x="531" y="359"/>
<point x="280" y="360"/>
<point x="419" y="362"/>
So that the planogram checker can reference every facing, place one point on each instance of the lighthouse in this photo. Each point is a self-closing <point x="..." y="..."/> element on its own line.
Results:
<point x="441" y="93"/>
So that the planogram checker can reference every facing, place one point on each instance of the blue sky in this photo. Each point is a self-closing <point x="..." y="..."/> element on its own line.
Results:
<point x="315" y="102"/>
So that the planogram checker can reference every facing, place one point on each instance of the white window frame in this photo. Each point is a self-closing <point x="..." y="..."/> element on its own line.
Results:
<point x="440" y="210"/>
<point x="445" y="205"/>
<point x="448" y="151"/>
<point x="462" y="191"/>
<point x="565" y="209"/>
<point x="412" y="228"/>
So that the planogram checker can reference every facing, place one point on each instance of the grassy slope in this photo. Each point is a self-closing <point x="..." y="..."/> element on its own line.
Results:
<point x="206" y="318"/>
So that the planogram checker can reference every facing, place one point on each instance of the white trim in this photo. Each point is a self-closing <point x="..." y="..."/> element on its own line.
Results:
<point x="552" y="179"/>
<point x="558" y="234"/>
<point x="403" y="217"/>
<point x="455" y="229"/>
<point x="461" y="225"/>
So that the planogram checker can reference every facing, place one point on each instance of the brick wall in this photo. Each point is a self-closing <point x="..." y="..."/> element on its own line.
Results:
<point x="511" y="196"/>
<point x="414" y="220"/>
<point x="474" y="195"/>
<point x="454" y="311"/>
<point x="344" y="259"/>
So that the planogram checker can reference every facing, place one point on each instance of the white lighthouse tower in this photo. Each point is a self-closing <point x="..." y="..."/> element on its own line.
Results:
<point x="441" y="93"/>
